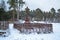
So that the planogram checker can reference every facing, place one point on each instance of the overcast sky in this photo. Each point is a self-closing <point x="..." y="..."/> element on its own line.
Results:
<point x="44" y="5"/>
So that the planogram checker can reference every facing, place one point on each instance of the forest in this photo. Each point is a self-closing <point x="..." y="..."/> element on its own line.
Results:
<point x="14" y="12"/>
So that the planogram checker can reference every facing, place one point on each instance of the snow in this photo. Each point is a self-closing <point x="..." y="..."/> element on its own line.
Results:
<point x="22" y="21"/>
<point x="16" y="35"/>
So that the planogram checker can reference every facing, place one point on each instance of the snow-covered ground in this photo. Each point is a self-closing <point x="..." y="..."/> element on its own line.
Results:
<point x="16" y="35"/>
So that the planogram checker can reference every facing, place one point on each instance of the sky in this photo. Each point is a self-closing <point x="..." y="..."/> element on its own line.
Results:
<point x="44" y="5"/>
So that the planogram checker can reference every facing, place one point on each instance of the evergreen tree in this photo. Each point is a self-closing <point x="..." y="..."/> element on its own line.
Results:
<point x="4" y="16"/>
<point x="39" y="14"/>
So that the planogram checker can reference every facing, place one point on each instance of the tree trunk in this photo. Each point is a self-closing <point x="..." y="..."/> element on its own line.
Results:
<point x="18" y="12"/>
<point x="13" y="15"/>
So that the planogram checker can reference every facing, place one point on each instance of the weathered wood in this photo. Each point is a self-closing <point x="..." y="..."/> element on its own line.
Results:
<point x="37" y="26"/>
<point x="4" y="25"/>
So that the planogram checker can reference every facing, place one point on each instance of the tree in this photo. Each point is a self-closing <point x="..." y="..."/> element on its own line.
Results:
<point x="53" y="13"/>
<point x="52" y="10"/>
<point x="1" y="15"/>
<point x="15" y="4"/>
<point x="20" y="5"/>
<point x="39" y="14"/>
<point x="58" y="16"/>
<point x="3" y="5"/>
<point x="58" y="10"/>
<point x="4" y="16"/>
